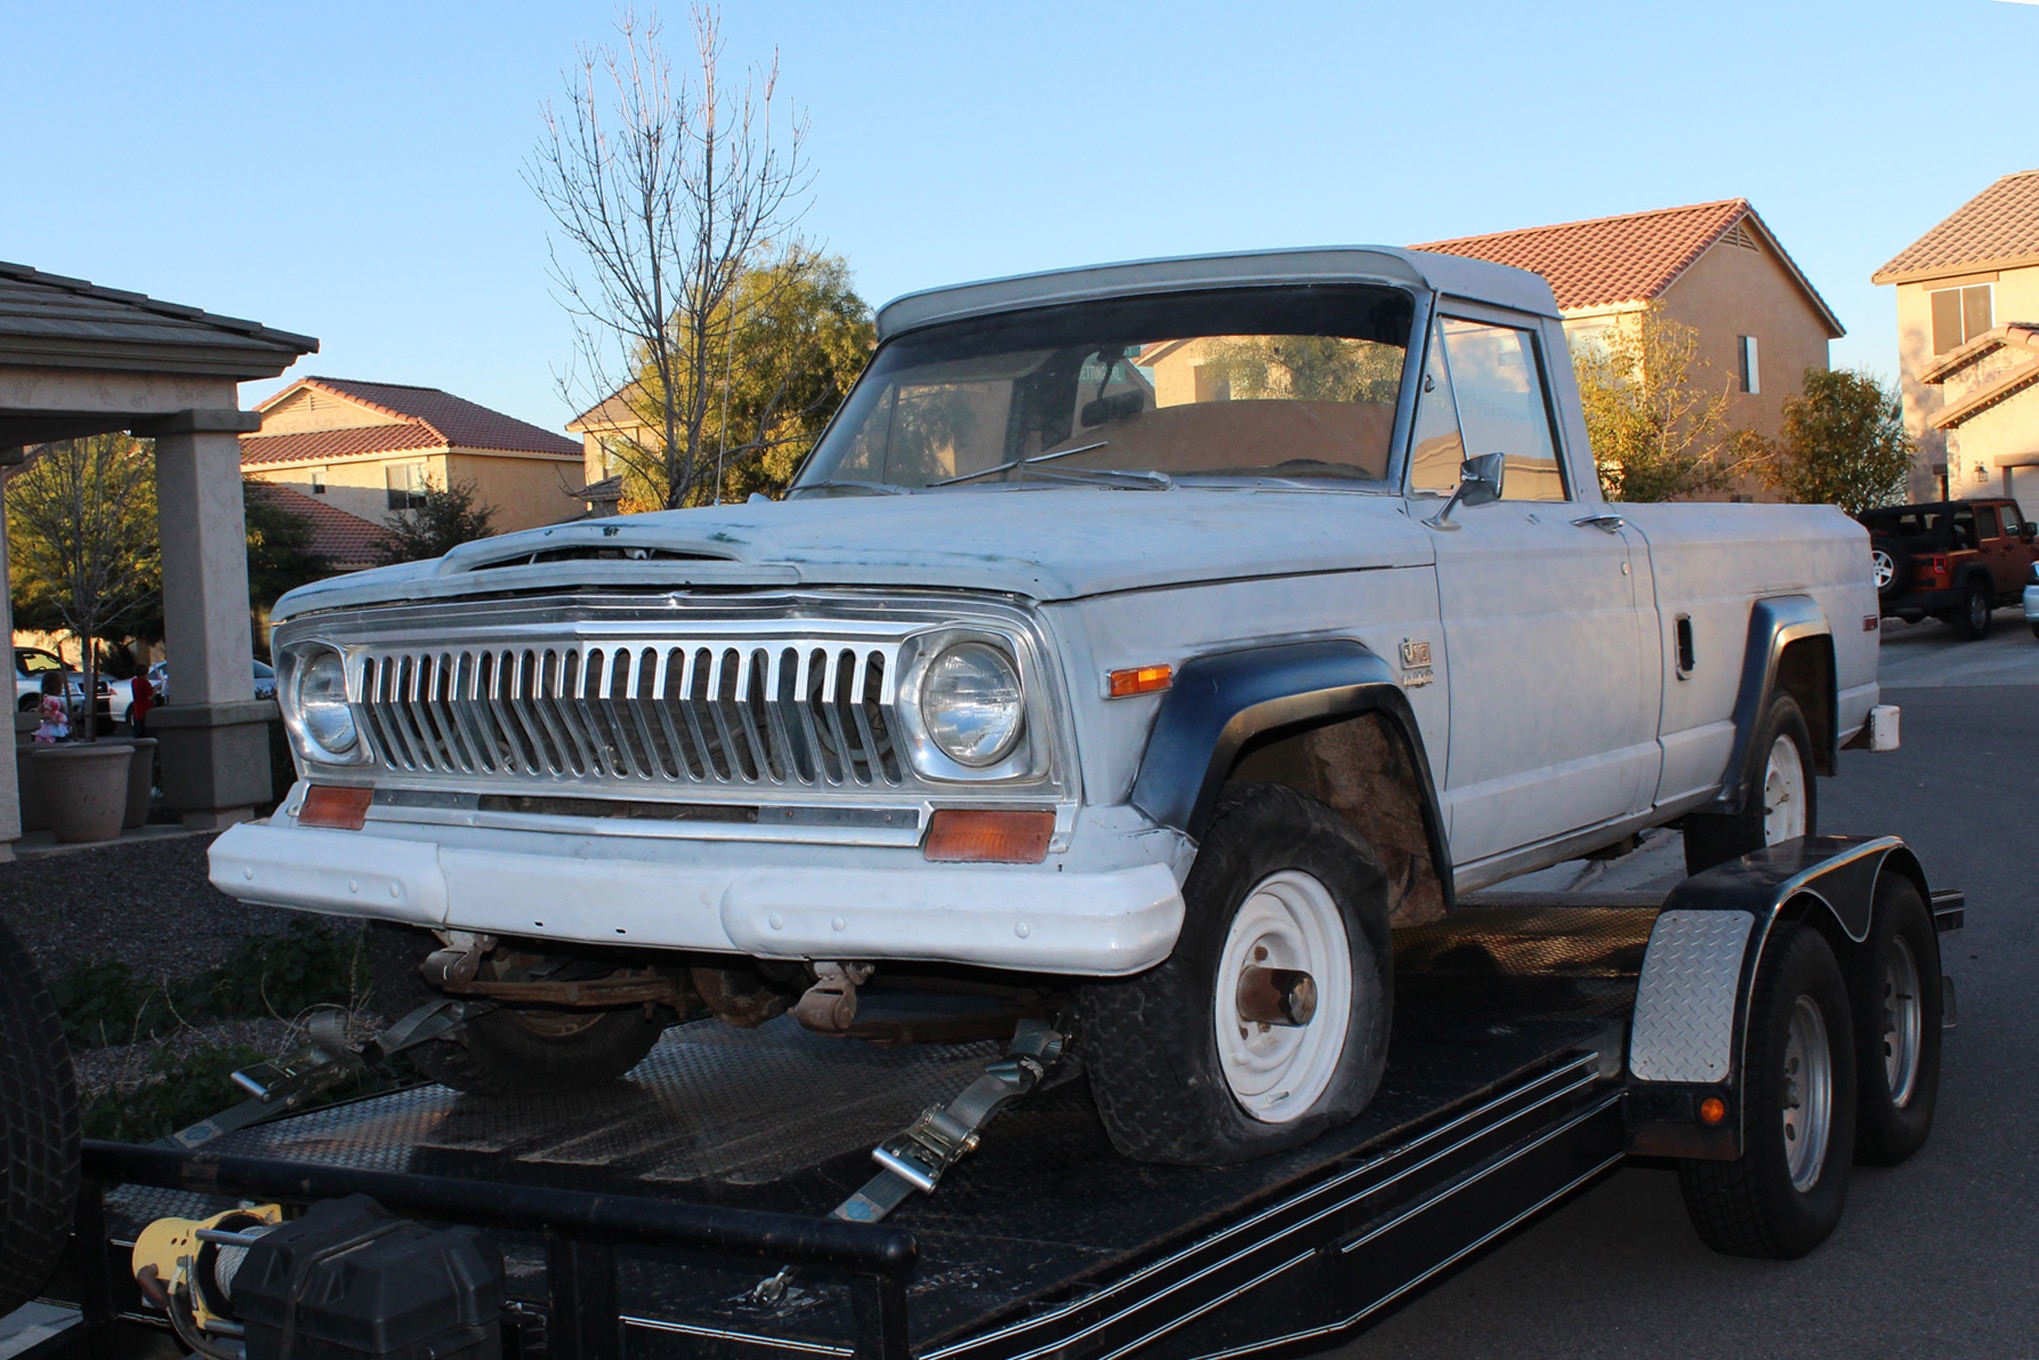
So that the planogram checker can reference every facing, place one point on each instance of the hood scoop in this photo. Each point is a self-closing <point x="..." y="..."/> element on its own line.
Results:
<point x="596" y="541"/>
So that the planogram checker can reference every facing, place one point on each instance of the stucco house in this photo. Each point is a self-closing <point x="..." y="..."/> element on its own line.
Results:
<point x="348" y="542"/>
<point x="1715" y="267"/>
<point x="371" y="448"/>
<point x="1968" y="345"/>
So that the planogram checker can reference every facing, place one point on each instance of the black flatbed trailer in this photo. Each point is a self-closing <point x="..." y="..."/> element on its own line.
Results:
<point x="636" y="1221"/>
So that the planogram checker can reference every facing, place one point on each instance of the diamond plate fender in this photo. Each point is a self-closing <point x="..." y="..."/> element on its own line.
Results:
<point x="1685" y="1000"/>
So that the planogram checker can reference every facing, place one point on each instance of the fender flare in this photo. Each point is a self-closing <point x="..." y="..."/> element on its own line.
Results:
<point x="1774" y="624"/>
<point x="1222" y="701"/>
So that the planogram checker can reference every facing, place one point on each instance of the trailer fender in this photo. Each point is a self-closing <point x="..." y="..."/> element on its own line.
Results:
<point x="1221" y="702"/>
<point x="1693" y="998"/>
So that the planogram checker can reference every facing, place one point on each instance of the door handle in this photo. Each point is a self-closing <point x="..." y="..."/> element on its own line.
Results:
<point x="1607" y="522"/>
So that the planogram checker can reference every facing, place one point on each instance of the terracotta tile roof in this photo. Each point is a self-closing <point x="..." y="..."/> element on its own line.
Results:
<point x="347" y="541"/>
<point x="459" y="422"/>
<point x="1998" y="228"/>
<point x="49" y="320"/>
<point x="2023" y="333"/>
<point x="257" y="449"/>
<point x="1635" y="257"/>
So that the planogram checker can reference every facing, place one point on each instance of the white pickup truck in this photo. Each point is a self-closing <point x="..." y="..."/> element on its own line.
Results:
<point x="1158" y="635"/>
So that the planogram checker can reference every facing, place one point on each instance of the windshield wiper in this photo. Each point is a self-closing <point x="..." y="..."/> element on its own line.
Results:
<point x="1021" y="463"/>
<point x="868" y="488"/>
<point x="1129" y="479"/>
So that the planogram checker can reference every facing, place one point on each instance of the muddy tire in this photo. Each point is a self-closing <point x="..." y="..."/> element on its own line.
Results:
<point x="1281" y="882"/>
<point x="1783" y="1196"/>
<point x="38" y="1128"/>
<point x="507" y="1051"/>
<point x="1785" y="777"/>
<point x="1894" y="981"/>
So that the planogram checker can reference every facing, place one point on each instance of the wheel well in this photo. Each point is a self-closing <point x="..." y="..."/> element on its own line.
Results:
<point x="1806" y="673"/>
<point x="1361" y="767"/>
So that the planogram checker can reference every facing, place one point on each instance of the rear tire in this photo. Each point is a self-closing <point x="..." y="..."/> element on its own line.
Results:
<point x="508" y="1051"/>
<point x="1782" y="803"/>
<point x="1280" y="882"/>
<point x="1783" y="1196"/>
<point x="38" y="1128"/>
<point x="1894" y="980"/>
<point x="1972" y="620"/>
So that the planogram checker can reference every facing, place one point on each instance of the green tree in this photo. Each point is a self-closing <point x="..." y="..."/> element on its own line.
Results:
<point x="280" y="552"/>
<point x="1843" y="443"/>
<point x="799" y="337"/>
<point x="1658" y="426"/>
<point x="81" y="521"/>
<point x="443" y="519"/>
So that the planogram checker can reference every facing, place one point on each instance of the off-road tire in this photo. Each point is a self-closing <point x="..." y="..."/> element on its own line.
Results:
<point x="1886" y="1133"/>
<point x="1900" y="565"/>
<point x="1150" y="1041"/>
<point x="1971" y="622"/>
<point x="1715" y="838"/>
<point x="506" y="1052"/>
<point x="1749" y="1207"/>
<point x="39" y="1126"/>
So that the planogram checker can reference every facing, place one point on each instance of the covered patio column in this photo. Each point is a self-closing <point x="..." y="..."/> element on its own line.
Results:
<point x="214" y="734"/>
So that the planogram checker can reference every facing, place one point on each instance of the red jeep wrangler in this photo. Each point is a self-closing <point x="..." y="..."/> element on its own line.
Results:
<point x="1954" y="560"/>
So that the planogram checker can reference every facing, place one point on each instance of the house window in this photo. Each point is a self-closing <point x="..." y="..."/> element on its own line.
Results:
<point x="1959" y="315"/>
<point x="1745" y="362"/>
<point x="406" y="485"/>
<point x="318" y="484"/>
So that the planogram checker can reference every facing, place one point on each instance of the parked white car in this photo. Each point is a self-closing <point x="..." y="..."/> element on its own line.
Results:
<point x="1142" y="632"/>
<point x="31" y="664"/>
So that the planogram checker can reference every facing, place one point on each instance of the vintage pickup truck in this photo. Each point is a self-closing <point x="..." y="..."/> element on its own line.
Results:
<point x="1155" y="635"/>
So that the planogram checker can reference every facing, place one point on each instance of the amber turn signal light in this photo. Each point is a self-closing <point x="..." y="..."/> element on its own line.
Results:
<point x="335" y="808"/>
<point x="965" y="835"/>
<point x="1712" y="1110"/>
<point x="1139" y="680"/>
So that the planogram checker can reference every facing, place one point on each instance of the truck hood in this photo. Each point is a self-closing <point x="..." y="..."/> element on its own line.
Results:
<point x="1046" y="544"/>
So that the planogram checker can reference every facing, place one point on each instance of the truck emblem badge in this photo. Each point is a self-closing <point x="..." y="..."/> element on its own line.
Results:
<point x="1416" y="661"/>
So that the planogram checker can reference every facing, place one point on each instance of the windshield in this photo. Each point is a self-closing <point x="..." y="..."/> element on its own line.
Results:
<point x="1296" y="383"/>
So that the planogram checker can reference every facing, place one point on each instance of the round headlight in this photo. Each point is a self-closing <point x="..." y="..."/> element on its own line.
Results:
<point x="322" y="703"/>
<point x="971" y="702"/>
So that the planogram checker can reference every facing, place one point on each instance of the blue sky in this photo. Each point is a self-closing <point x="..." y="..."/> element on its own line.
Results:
<point x="352" y="172"/>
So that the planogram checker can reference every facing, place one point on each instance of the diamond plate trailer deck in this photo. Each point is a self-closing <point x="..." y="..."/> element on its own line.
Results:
<point x="635" y="1221"/>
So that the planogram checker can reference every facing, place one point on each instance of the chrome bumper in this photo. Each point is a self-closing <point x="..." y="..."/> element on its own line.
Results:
<point x="1030" y="918"/>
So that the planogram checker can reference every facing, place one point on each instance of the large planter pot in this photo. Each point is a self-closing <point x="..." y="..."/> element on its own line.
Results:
<point x="141" y="778"/>
<point x="83" y="789"/>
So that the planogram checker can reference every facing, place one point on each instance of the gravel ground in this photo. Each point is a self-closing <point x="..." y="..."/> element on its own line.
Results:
<point x="147" y="904"/>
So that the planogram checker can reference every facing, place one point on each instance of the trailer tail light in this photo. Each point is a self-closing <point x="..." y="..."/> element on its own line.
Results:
<point x="967" y="835"/>
<point x="335" y="808"/>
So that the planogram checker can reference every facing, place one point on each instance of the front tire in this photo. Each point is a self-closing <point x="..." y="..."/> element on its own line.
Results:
<point x="1783" y="1196"/>
<point x="508" y="1051"/>
<point x="1894" y="978"/>
<point x="1782" y="805"/>
<point x="1282" y="885"/>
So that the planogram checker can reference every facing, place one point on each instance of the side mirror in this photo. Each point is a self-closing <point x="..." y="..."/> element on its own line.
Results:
<point x="2031" y="530"/>
<point x="1479" y="483"/>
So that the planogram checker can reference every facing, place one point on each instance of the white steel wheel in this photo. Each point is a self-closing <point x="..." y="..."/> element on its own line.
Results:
<point x="1808" y="1094"/>
<point x="1902" y="1021"/>
<point x="1784" y="792"/>
<point x="1276" y="1071"/>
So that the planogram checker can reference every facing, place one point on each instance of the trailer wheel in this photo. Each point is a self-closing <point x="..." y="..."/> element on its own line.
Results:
<point x="1782" y="805"/>
<point x="1784" y="1194"/>
<point x="1269" y="1022"/>
<point x="1894" y="979"/>
<point x="38" y="1128"/>
<point x="507" y="1051"/>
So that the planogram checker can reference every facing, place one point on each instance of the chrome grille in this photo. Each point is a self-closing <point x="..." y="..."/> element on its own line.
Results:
<point x="695" y="713"/>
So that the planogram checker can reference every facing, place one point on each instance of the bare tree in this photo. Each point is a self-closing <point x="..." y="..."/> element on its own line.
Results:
<point x="82" y="520"/>
<point x="666" y="189"/>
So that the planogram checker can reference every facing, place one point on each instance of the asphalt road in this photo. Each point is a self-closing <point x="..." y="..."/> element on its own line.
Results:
<point x="1939" y="1257"/>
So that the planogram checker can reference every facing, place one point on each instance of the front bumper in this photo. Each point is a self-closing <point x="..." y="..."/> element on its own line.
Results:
<point x="1032" y="918"/>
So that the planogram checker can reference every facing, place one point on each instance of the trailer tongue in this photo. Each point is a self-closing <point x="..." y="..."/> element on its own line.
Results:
<point x="1535" y="1047"/>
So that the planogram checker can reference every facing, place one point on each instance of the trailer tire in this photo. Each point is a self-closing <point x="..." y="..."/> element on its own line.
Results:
<point x="1783" y="1196"/>
<point x="38" y="1128"/>
<point x="1281" y="881"/>
<point x="1715" y="838"/>
<point x="506" y="1051"/>
<point x="1894" y="979"/>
